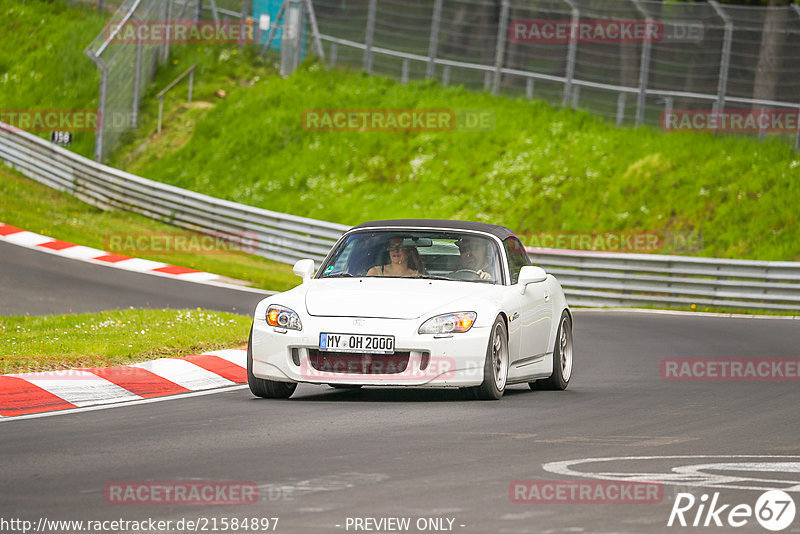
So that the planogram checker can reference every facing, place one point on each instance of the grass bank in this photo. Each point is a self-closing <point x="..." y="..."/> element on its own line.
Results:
<point x="35" y="207"/>
<point x="54" y="342"/>
<point x="538" y="169"/>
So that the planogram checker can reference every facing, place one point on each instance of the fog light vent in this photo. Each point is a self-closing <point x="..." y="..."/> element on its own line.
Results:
<point x="296" y="356"/>
<point x="426" y="358"/>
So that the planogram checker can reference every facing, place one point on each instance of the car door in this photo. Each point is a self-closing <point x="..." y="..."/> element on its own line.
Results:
<point x="535" y="311"/>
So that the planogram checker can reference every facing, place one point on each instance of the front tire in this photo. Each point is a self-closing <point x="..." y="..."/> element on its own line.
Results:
<point x="495" y="369"/>
<point x="562" y="358"/>
<point x="266" y="389"/>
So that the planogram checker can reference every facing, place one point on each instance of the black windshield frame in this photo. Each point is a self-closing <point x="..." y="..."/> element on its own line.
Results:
<point x="334" y="269"/>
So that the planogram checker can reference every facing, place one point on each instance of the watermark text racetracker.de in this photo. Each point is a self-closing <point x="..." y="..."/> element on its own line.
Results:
<point x="786" y="121"/>
<point x="137" y="243"/>
<point x="730" y="369"/>
<point x="47" y="120"/>
<point x="588" y="30"/>
<point x="194" y="493"/>
<point x="397" y="120"/>
<point x="632" y="241"/>
<point x="584" y="492"/>
<point x="179" y="32"/>
<point x="151" y="525"/>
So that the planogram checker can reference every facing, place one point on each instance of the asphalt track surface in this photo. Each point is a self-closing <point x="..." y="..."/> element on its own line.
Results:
<point x="38" y="283"/>
<point x="326" y="455"/>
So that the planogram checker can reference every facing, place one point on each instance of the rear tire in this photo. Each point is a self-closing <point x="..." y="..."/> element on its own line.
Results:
<point x="266" y="389"/>
<point x="495" y="368"/>
<point x="562" y="358"/>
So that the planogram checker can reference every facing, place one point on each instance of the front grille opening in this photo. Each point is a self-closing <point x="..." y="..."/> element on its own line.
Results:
<point x="368" y="364"/>
<point x="295" y="356"/>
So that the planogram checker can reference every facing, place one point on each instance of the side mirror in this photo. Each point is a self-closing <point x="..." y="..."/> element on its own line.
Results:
<point x="530" y="274"/>
<point x="304" y="269"/>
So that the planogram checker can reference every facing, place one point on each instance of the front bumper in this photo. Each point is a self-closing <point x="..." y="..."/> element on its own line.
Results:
<point x="453" y="361"/>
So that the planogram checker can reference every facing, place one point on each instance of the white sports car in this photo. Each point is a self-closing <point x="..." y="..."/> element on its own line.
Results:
<point x="416" y="303"/>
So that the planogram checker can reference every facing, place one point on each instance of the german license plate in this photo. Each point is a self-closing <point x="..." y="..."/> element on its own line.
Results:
<point x="356" y="343"/>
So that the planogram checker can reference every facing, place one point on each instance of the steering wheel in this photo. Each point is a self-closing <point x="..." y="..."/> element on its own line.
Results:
<point x="466" y="274"/>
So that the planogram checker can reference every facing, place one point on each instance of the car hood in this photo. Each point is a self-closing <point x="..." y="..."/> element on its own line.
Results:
<point x="391" y="298"/>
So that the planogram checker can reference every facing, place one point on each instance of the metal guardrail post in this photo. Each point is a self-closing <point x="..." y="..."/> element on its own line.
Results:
<point x="644" y="71"/>
<point x="797" y="139"/>
<point x="572" y="51"/>
<point x="404" y="72"/>
<point x="101" y="105"/>
<point x="796" y="7"/>
<point x="334" y="52"/>
<point x="576" y="96"/>
<point x="244" y="19"/>
<point x="191" y="86"/>
<point x="312" y="19"/>
<point x="370" y="34"/>
<point x="433" y="45"/>
<point x="500" y="49"/>
<point x="167" y="89"/>
<point x="165" y="50"/>
<point x="725" y="61"/>
<point x="621" y="97"/>
<point x="529" y="88"/>
<point x="137" y="82"/>
<point x="292" y="38"/>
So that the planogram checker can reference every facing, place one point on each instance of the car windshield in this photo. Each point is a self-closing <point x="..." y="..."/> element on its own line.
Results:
<point x="444" y="255"/>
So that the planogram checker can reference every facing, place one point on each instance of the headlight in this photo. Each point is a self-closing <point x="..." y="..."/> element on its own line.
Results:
<point x="449" y="323"/>
<point x="281" y="317"/>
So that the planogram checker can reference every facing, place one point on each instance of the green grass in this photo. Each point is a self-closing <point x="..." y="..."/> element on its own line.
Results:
<point x="35" y="207"/>
<point x="42" y="60"/>
<point x="110" y="338"/>
<point x="539" y="169"/>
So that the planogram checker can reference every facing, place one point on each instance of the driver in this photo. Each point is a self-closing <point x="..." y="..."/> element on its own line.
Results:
<point x="475" y="256"/>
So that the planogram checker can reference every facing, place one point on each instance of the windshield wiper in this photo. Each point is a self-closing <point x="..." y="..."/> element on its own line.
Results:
<point x="338" y="275"/>
<point x="433" y="277"/>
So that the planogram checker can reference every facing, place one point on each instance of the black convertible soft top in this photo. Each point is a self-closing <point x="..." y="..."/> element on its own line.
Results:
<point x="498" y="231"/>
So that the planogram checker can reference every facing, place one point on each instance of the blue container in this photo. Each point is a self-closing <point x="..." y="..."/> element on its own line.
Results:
<point x="272" y="8"/>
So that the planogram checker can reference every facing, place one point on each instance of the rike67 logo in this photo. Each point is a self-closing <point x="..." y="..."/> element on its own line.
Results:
<point x="774" y="510"/>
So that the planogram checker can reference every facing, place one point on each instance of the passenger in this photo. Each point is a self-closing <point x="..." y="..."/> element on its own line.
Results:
<point x="475" y="256"/>
<point x="403" y="261"/>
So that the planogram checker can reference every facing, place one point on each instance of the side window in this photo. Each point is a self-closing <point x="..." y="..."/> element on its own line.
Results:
<point x="517" y="257"/>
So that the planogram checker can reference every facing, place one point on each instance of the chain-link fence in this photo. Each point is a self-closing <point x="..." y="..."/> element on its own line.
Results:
<point x="125" y="69"/>
<point x="634" y="61"/>
<point x="128" y="64"/>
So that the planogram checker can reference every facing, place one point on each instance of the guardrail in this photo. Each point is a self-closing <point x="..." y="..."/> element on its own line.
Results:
<point x="589" y="279"/>
<point x="277" y="236"/>
<point x="611" y="279"/>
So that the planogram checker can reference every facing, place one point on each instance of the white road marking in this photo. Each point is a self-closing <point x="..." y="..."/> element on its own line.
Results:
<point x="138" y="264"/>
<point x="121" y="404"/>
<point x="686" y="473"/>
<point x="235" y="356"/>
<point x="80" y="388"/>
<point x="28" y="239"/>
<point x="184" y="373"/>
<point x="79" y="252"/>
